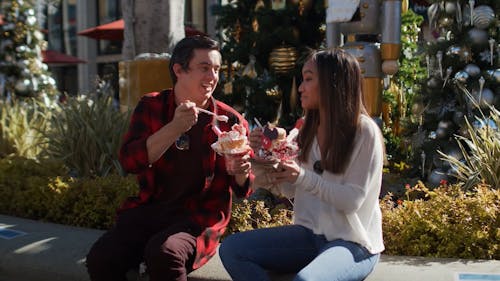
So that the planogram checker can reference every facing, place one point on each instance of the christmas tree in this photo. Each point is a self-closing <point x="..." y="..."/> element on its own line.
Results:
<point x="22" y="72"/>
<point x="264" y="44"/>
<point x="463" y="58"/>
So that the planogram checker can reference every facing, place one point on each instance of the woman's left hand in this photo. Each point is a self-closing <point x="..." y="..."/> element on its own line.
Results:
<point x="287" y="171"/>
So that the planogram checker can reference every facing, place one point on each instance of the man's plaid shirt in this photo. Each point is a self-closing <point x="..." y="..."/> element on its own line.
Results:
<point x="209" y="209"/>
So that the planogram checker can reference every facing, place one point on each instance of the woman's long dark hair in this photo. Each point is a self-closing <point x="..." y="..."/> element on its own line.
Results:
<point x="340" y="90"/>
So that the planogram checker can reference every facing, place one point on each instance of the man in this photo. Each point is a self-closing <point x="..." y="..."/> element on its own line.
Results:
<point x="183" y="206"/>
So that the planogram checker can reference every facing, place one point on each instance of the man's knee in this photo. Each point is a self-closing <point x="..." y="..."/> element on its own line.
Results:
<point x="174" y="250"/>
<point x="97" y="259"/>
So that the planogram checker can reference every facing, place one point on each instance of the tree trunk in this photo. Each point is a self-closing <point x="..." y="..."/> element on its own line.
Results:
<point x="151" y="26"/>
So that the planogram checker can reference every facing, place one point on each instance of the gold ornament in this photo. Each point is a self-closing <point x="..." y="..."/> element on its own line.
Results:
<point x="445" y="22"/>
<point x="249" y="69"/>
<point x="404" y="6"/>
<point x="278" y="4"/>
<point x="301" y="7"/>
<point x="228" y="88"/>
<point x="282" y="60"/>
<point x="237" y="31"/>
<point x="273" y="92"/>
<point x="296" y="34"/>
<point x="255" y="25"/>
<point x="260" y="4"/>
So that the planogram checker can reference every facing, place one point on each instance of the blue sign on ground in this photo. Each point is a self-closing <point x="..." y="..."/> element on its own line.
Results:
<point x="6" y="233"/>
<point x="478" y="277"/>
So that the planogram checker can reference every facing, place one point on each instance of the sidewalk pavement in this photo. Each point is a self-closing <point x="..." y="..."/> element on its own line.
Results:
<point x="52" y="252"/>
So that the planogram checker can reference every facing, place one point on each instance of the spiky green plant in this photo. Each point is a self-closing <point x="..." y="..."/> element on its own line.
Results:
<point x="86" y="134"/>
<point x="480" y="148"/>
<point x="21" y="125"/>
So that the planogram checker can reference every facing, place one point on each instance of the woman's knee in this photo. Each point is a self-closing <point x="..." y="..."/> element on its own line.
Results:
<point x="229" y="247"/>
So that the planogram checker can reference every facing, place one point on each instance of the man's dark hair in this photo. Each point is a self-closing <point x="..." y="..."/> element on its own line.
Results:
<point x="184" y="51"/>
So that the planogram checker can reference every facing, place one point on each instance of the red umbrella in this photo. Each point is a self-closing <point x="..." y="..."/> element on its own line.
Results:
<point x="113" y="31"/>
<point x="54" y="57"/>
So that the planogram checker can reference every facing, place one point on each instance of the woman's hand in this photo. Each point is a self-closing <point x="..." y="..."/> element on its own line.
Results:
<point x="287" y="171"/>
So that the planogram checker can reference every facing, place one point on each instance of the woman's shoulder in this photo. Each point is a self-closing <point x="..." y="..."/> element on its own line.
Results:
<point x="368" y="127"/>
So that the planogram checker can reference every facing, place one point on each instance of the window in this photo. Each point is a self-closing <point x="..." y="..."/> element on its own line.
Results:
<point x="108" y="11"/>
<point x="194" y="14"/>
<point x="61" y="27"/>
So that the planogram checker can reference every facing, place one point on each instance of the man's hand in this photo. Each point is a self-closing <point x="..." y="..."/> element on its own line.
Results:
<point x="185" y="116"/>
<point x="239" y="166"/>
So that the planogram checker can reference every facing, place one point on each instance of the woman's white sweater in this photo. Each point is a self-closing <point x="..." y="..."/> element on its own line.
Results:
<point x="342" y="206"/>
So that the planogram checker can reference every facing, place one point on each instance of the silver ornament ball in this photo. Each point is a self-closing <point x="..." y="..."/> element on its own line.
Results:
<point x="462" y="76"/>
<point x="483" y="16"/>
<point x="22" y="85"/>
<point x="433" y="83"/>
<point x="485" y="99"/>
<point x="478" y="36"/>
<point x="472" y="69"/>
<point x="458" y="117"/>
<point x="450" y="8"/>
<point x="436" y="176"/>
<point x="444" y="129"/>
<point x="494" y="74"/>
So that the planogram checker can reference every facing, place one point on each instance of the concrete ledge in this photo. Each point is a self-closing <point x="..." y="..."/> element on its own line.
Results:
<point x="52" y="252"/>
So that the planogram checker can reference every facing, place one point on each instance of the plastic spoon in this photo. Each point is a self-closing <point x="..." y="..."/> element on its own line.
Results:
<point x="222" y="118"/>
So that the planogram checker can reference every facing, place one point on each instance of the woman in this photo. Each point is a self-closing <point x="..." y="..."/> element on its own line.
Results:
<point x="337" y="230"/>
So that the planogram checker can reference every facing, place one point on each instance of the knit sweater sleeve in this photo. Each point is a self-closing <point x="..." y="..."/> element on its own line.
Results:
<point x="347" y="191"/>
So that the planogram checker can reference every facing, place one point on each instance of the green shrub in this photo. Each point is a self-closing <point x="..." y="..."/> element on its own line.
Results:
<point x="91" y="202"/>
<point x="253" y="214"/>
<point x="23" y="186"/>
<point x="86" y="134"/>
<point x="34" y="190"/>
<point x="446" y="222"/>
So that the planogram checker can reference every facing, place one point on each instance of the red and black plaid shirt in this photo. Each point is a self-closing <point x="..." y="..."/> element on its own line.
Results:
<point x="210" y="206"/>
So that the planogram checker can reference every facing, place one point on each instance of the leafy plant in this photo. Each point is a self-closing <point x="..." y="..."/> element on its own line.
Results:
<point x="445" y="222"/>
<point x="253" y="214"/>
<point x="23" y="186"/>
<point x="22" y="122"/>
<point x="398" y="97"/>
<point x="480" y="149"/>
<point x="90" y="202"/>
<point x="86" y="133"/>
<point x="36" y="190"/>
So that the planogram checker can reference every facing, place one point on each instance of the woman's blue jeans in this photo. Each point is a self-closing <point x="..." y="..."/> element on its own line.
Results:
<point x="250" y="255"/>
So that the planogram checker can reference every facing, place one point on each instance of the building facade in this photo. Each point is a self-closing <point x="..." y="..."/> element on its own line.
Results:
<point x="64" y="19"/>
